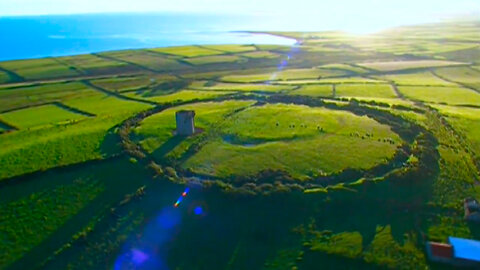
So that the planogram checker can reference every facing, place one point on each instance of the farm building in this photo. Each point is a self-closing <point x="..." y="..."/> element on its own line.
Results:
<point x="457" y="252"/>
<point x="185" y="122"/>
<point x="472" y="210"/>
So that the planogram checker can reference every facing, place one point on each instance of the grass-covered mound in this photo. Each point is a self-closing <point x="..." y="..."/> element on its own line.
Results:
<point x="240" y="139"/>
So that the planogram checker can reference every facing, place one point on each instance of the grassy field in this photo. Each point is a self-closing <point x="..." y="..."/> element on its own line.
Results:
<point x="365" y="90"/>
<point x="244" y="87"/>
<point x="156" y="130"/>
<point x="183" y="95"/>
<point x="402" y="65"/>
<point x="260" y="54"/>
<point x="11" y="98"/>
<point x="90" y="64"/>
<point x="421" y="78"/>
<point x="145" y="59"/>
<point x="214" y="59"/>
<point x="30" y="220"/>
<point x="345" y="67"/>
<point x="263" y="133"/>
<point x="447" y="95"/>
<point x="289" y="74"/>
<point x="465" y="75"/>
<point x="4" y="78"/>
<point x="39" y="69"/>
<point x="231" y="48"/>
<point x="187" y="51"/>
<point x="465" y="120"/>
<point x="321" y="90"/>
<point x="40" y="116"/>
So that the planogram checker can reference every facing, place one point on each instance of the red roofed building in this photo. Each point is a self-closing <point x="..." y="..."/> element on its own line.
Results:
<point x="440" y="252"/>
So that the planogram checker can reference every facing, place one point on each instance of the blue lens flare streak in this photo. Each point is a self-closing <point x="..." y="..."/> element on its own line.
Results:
<point x="146" y="252"/>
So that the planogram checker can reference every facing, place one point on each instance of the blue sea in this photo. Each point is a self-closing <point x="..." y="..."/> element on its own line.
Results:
<point x="43" y="36"/>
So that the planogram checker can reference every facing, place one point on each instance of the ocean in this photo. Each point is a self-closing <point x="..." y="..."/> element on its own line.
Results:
<point x="60" y="35"/>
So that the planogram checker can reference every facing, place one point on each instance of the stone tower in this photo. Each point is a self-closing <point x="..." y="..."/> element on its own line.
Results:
<point x="185" y="122"/>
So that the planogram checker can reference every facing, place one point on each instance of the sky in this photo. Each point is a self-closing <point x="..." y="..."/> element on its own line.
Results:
<point x="357" y="15"/>
<point x="364" y="8"/>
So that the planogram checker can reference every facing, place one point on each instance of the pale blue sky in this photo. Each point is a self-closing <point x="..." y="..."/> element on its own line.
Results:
<point x="341" y="14"/>
<point x="370" y="7"/>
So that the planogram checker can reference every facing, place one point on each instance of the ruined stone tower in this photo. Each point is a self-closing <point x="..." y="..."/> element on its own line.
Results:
<point x="185" y="122"/>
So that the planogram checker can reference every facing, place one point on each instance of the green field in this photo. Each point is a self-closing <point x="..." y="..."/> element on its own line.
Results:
<point x="421" y="78"/>
<point x="289" y="74"/>
<point x="145" y="60"/>
<point x="365" y="90"/>
<point x="39" y="116"/>
<point x="243" y="87"/>
<point x="321" y="90"/>
<point x="39" y="69"/>
<point x="11" y="98"/>
<point x="214" y="59"/>
<point x="183" y="95"/>
<point x="264" y="133"/>
<point x="89" y="63"/>
<point x="402" y="65"/>
<point x="343" y="151"/>
<point x="187" y="51"/>
<point x="447" y="95"/>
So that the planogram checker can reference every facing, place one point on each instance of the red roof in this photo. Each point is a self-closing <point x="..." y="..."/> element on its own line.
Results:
<point x="441" y="250"/>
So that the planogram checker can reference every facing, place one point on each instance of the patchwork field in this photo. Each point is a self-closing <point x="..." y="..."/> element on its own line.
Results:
<point x="402" y="65"/>
<point x="340" y="152"/>
<point x="39" y="116"/>
<point x="365" y="90"/>
<point x="38" y="69"/>
<point x="448" y="95"/>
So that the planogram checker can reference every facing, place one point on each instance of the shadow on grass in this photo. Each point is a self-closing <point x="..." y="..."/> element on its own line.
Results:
<point x="111" y="144"/>
<point x="168" y="146"/>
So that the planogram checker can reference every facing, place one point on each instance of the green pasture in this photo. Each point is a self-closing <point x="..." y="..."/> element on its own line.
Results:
<point x="90" y="63"/>
<point x="101" y="104"/>
<point x="446" y="95"/>
<point x="11" y="98"/>
<point x="345" y="67"/>
<point x="349" y="80"/>
<point x="157" y="129"/>
<point x="296" y="145"/>
<point x="421" y="78"/>
<point x="466" y="121"/>
<point x="124" y="83"/>
<point x="260" y="55"/>
<point x="364" y="90"/>
<point x="464" y="75"/>
<point x="40" y="116"/>
<point x="187" y="51"/>
<point x="402" y="65"/>
<point x="288" y="74"/>
<point x="321" y="90"/>
<point x="146" y="59"/>
<point x="183" y="95"/>
<point x="263" y="133"/>
<point x="244" y="87"/>
<point x="27" y="222"/>
<point x="4" y="77"/>
<point x="231" y="48"/>
<point x="214" y="59"/>
<point x="69" y="143"/>
<point x="45" y="68"/>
